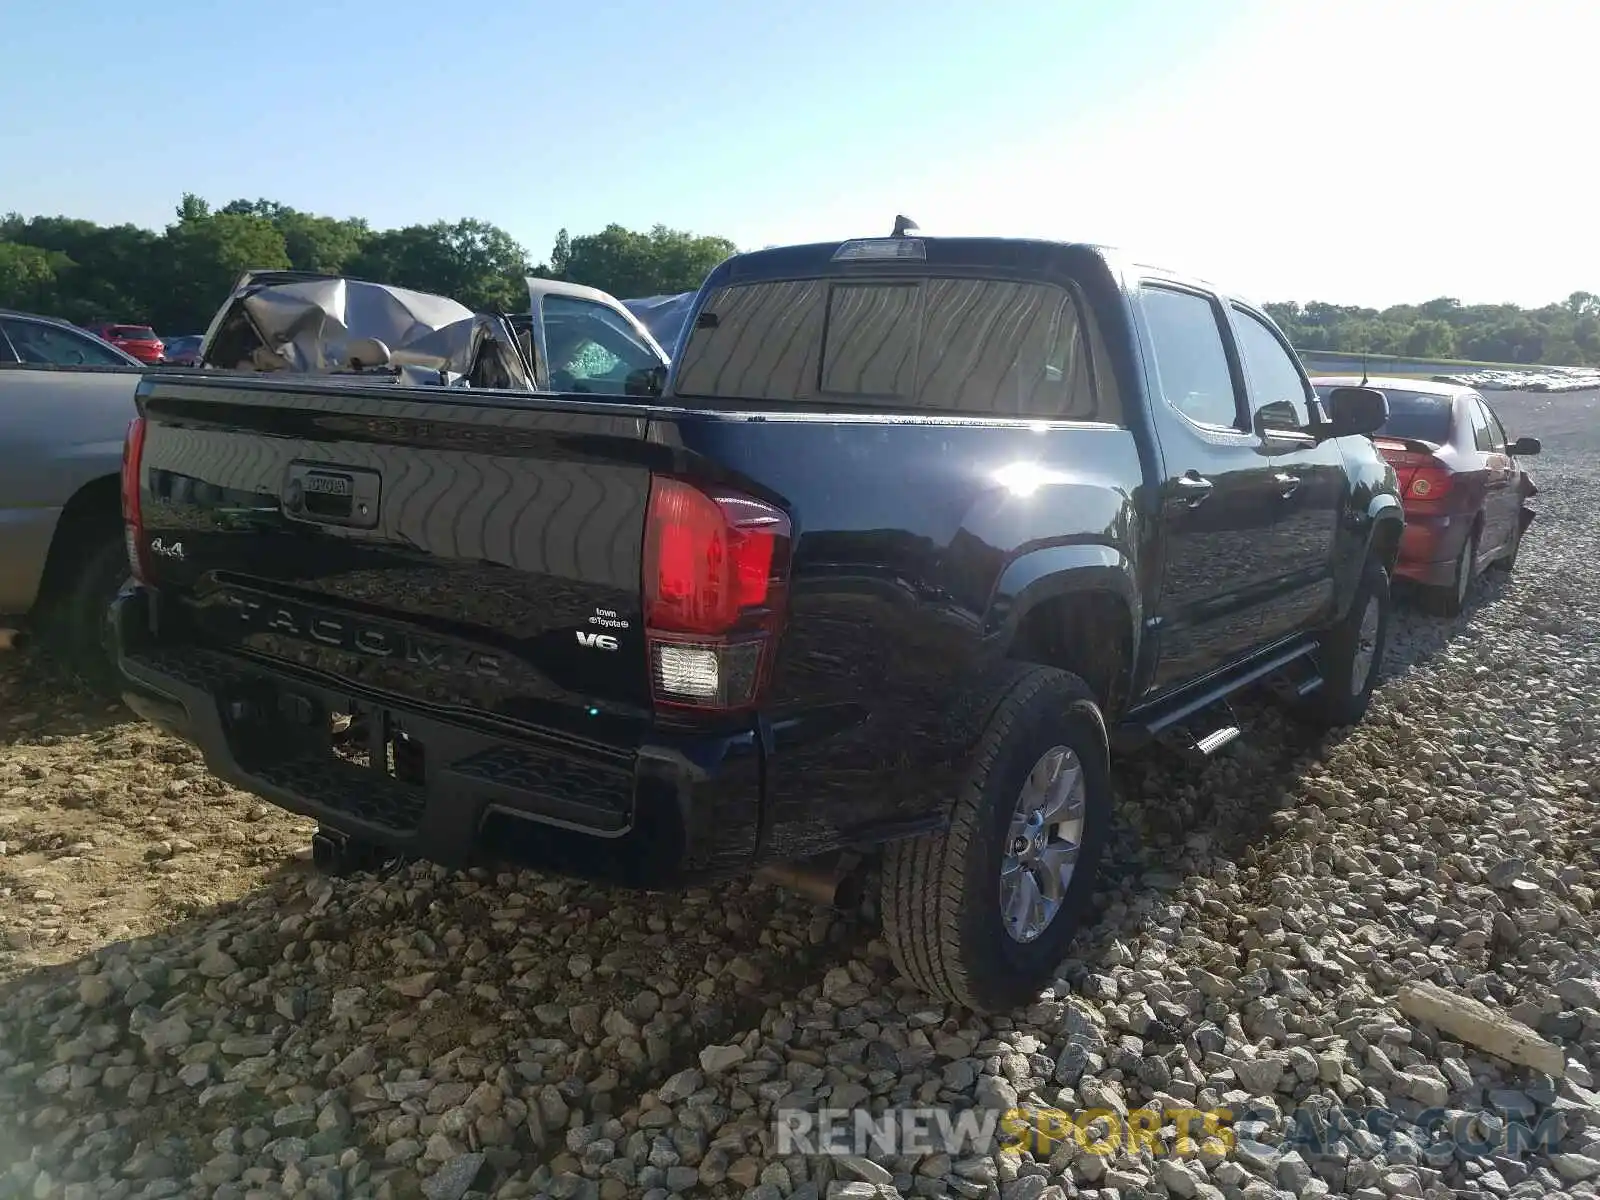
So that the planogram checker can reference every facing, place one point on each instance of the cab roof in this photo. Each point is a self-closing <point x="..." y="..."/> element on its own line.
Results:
<point x="1011" y="256"/>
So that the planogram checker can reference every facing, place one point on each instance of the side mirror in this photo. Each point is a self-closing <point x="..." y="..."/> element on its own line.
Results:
<point x="1524" y="445"/>
<point x="1353" y="410"/>
<point x="1277" y="418"/>
<point x="646" y="381"/>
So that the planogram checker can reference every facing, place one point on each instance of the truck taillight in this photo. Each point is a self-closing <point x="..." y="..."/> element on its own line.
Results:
<point x="132" y="503"/>
<point x="716" y="573"/>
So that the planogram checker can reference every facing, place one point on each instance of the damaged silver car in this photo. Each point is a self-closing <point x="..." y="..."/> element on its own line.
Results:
<point x="302" y="322"/>
<point x="573" y="339"/>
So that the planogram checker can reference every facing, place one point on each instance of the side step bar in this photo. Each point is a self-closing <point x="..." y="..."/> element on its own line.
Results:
<point x="1204" y="735"/>
<point x="1142" y="728"/>
<point x="1217" y="739"/>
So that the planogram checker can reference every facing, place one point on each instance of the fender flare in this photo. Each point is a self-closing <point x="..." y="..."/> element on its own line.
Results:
<point x="1051" y="572"/>
<point x="1385" y="510"/>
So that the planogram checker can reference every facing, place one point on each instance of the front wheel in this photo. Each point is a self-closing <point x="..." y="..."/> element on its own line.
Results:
<point x="1351" y="656"/>
<point x="982" y="913"/>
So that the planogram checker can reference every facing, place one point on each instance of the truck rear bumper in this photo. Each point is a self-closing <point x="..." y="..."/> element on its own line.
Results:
<point x="447" y="788"/>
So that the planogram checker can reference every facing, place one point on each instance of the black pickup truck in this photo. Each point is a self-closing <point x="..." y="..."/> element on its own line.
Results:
<point x="915" y="532"/>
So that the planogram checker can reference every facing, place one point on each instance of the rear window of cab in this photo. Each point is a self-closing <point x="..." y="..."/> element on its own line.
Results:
<point x="986" y="347"/>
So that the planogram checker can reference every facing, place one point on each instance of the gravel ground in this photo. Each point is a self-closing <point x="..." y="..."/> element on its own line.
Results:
<point x="185" y="1009"/>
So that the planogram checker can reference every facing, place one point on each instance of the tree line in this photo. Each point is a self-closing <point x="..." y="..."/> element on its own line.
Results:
<point x="1564" y="334"/>
<point x="176" y="279"/>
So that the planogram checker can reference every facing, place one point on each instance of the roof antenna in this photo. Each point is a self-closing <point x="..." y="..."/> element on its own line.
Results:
<point x="1363" y="368"/>
<point x="903" y="225"/>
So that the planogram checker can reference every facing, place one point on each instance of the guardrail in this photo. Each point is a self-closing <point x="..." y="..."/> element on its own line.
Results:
<point x="1338" y="362"/>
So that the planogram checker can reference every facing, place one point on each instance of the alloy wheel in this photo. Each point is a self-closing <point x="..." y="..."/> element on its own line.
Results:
<point x="1042" y="844"/>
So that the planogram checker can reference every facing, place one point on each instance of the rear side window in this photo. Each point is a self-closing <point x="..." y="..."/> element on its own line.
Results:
<point x="592" y="349"/>
<point x="1482" y="435"/>
<point x="51" y="345"/>
<point x="982" y="346"/>
<point x="1191" y="361"/>
<point x="1275" y="380"/>
<point x="1501" y="441"/>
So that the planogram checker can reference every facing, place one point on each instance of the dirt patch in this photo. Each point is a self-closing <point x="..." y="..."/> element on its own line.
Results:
<point x="110" y="829"/>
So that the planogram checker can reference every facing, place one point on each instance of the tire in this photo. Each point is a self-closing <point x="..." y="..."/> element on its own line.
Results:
<point x="1351" y="657"/>
<point x="1448" y="601"/>
<point x="942" y="892"/>
<point x="79" y="624"/>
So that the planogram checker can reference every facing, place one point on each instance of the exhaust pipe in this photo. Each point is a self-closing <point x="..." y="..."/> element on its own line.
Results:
<point x="827" y="886"/>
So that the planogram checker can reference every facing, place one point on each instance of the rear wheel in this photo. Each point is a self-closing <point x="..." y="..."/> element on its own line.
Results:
<point x="1351" y="657"/>
<point x="1448" y="601"/>
<point x="78" y="614"/>
<point x="982" y="913"/>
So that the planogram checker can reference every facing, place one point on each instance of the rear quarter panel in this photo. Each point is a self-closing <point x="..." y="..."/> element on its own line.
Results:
<point x="918" y="543"/>
<point x="921" y="542"/>
<point x="60" y="428"/>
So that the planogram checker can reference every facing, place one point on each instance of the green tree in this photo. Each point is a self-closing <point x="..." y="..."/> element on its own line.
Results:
<point x="192" y="208"/>
<point x="325" y="244"/>
<point x="206" y="253"/>
<point x="1583" y="304"/>
<point x="30" y="278"/>
<point x="477" y="263"/>
<point x="1431" y="339"/>
<point x="104" y="271"/>
<point x="561" y="254"/>
<point x="1586" y="336"/>
<point x="176" y="280"/>
<point x="627" y="263"/>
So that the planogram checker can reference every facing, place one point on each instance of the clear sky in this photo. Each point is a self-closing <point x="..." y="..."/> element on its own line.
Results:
<point x="1346" y="150"/>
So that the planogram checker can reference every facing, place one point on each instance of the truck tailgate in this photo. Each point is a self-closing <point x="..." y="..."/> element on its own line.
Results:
<point x="478" y="552"/>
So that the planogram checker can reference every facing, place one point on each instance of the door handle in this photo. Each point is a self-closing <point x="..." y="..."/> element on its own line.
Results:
<point x="1289" y="483"/>
<point x="1193" y="488"/>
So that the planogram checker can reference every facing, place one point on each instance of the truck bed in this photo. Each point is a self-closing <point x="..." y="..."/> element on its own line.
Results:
<point x="466" y="569"/>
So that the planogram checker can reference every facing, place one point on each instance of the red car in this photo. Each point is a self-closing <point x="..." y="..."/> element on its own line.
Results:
<point x="138" y="340"/>
<point x="1465" y="492"/>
